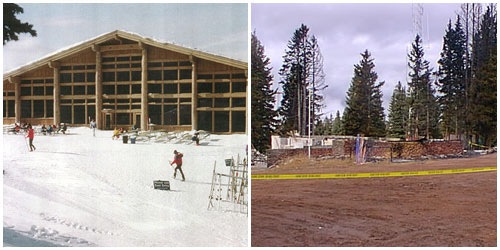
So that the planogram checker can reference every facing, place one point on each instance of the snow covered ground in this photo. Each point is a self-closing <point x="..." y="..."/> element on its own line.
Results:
<point x="80" y="190"/>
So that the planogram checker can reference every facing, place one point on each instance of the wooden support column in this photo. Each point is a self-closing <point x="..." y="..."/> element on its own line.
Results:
<point x="98" y="87"/>
<point x="194" y="94"/>
<point x="57" y="92"/>
<point x="144" y="88"/>
<point x="17" y="101"/>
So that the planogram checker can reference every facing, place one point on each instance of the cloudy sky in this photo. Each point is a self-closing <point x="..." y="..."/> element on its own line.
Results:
<point x="220" y="29"/>
<point x="346" y="30"/>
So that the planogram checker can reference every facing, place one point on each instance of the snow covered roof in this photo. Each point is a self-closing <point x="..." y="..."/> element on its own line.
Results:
<point x="126" y="35"/>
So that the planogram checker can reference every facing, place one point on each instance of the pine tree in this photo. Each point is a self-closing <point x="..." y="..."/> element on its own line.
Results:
<point x="423" y="107"/>
<point x="12" y="26"/>
<point x="302" y="78"/>
<point x="364" y="113"/>
<point x="398" y="113"/>
<point x="337" y="125"/>
<point x="483" y="87"/>
<point x="452" y="80"/>
<point x="263" y="113"/>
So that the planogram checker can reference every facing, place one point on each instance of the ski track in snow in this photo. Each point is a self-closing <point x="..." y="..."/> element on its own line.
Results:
<point x="80" y="190"/>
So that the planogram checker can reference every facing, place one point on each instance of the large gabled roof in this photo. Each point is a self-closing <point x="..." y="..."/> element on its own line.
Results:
<point x="126" y="35"/>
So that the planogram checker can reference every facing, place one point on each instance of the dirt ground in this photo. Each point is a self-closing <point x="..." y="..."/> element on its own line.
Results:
<point x="433" y="210"/>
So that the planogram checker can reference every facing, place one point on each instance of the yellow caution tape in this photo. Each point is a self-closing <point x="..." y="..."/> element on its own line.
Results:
<point x="369" y="175"/>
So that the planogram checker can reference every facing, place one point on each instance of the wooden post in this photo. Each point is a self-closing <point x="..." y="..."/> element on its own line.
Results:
<point x="57" y="92"/>
<point x="144" y="87"/>
<point x="194" y="94"/>
<point x="98" y="86"/>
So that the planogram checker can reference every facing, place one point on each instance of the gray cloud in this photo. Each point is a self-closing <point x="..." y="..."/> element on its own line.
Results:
<point x="346" y="30"/>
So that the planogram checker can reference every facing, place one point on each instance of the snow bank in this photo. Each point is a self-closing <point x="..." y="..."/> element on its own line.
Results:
<point x="80" y="190"/>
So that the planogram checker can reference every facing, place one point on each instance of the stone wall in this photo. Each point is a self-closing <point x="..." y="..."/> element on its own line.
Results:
<point x="375" y="150"/>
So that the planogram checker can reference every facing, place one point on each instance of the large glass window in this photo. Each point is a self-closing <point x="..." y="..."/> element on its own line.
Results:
<point x="66" y="90"/>
<point x="25" y="91"/>
<point x="91" y="90"/>
<point x="170" y="74"/>
<point x="239" y="87"/>
<point x="205" y="102"/>
<point x="65" y="77"/>
<point x="79" y="90"/>
<point x="11" y="108"/>
<point x="91" y="111"/>
<point x="123" y="76"/>
<point x="154" y="75"/>
<point x="238" y="102"/>
<point x="221" y="102"/>
<point x="170" y="115"/>
<point x="154" y="113"/>
<point x="38" y="109"/>
<point x="221" y="119"/>
<point x="123" y="89"/>
<point x="170" y="88"/>
<point x="136" y="75"/>
<point x="79" y="114"/>
<point x="136" y="88"/>
<point x="154" y="88"/>
<point x="79" y="77"/>
<point x="50" y="108"/>
<point x="108" y="76"/>
<point x="26" y="109"/>
<point x="205" y="120"/>
<point x="238" y="121"/>
<point x="205" y="87"/>
<point x="221" y="87"/>
<point x="108" y="89"/>
<point x="38" y="91"/>
<point x="185" y="74"/>
<point x="90" y="77"/>
<point x="123" y="119"/>
<point x="185" y="115"/>
<point x="66" y="114"/>
<point x="49" y="90"/>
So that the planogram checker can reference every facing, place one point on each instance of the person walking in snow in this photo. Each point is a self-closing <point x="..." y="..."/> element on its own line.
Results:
<point x="31" y="136"/>
<point x="178" y="164"/>
<point x="92" y="126"/>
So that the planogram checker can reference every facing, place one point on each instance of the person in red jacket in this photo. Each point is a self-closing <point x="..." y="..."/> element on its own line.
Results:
<point x="178" y="164"/>
<point x="31" y="136"/>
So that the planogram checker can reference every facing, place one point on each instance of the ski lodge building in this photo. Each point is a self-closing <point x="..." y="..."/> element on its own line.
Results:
<point x="122" y="79"/>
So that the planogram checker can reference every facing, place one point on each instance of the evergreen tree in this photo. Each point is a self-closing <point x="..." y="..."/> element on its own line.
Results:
<point x="398" y="113"/>
<point x="364" y="113"/>
<point x="12" y="26"/>
<point x="483" y="87"/>
<point x="263" y="113"/>
<point x="423" y="107"/>
<point x="452" y="80"/>
<point x="337" y="125"/>
<point x="302" y="78"/>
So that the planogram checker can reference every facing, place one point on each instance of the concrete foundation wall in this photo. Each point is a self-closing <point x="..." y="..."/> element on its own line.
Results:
<point x="375" y="149"/>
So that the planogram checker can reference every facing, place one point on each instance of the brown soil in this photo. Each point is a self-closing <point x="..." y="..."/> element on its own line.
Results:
<point x="433" y="210"/>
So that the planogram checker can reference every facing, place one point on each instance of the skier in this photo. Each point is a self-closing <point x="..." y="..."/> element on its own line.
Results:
<point x="92" y="126"/>
<point x="178" y="162"/>
<point x="31" y="136"/>
<point x="196" y="138"/>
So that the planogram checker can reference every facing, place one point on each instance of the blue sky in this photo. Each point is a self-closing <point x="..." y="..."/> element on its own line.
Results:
<point x="220" y="29"/>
